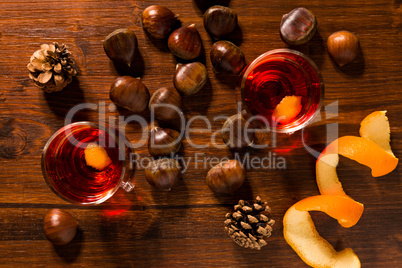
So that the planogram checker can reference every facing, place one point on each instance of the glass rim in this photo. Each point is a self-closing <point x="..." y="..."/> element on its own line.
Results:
<point x="122" y="178"/>
<point x="249" y="67"/>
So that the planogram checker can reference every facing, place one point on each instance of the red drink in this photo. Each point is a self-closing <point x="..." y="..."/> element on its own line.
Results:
<point x="276" y="74"/>
<point x="65" y="169"/>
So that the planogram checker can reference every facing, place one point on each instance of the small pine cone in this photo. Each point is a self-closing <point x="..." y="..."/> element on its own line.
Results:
<point x="52" y="67"/>
<point x="249" y="224"/>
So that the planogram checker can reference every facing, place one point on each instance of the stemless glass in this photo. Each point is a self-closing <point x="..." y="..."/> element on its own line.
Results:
<point x="65" y="170"/>
<point x="274" y="75"/>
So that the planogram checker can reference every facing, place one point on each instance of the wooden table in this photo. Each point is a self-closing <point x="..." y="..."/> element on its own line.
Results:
<point x="184" y="227"/>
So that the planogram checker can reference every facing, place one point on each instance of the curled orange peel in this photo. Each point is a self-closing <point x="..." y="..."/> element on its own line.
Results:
<point x="375" y="127"/>
<point x="300" y="233"/>
<point x="372" y="150"/>
<point x="344" y="209"/>
<point x="287" y="109"/>
<point x="365" y="152"/>
<point x="96" y="156"/>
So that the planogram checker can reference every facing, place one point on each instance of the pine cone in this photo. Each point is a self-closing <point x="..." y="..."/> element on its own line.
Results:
<point x="52" y="67"/>
<point x="248" y="225"/>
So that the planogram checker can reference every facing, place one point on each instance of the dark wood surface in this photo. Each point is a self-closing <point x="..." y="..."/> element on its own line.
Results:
<point x="184" y="227"/>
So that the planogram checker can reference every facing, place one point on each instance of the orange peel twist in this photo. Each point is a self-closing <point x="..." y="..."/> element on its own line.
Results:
<point x="372" y="149"/>
<point x="300" y="233"/>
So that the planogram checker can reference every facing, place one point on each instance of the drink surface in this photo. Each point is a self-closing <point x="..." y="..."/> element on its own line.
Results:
<point x="277" y="76"/>
<point x="68" y="173"/>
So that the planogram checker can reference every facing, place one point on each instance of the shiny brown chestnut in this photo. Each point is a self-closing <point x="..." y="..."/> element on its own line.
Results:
<point x="59" y="226"/>
<point x="121" y="46"/>
<point x="298" y="26"/>
<point x="163" y="173"/>
<point x="158" y="21"/>
<point x="163" y="141"/>
<point x="190" y="78"/>
<point x="236" y="133"/>
<point x="130" y="93"/>
<point x="166" y="104"/>
<point x="226" y="177"/>
<point x="185" y="42"/>
<point x="219" y="21"/>
<point x="343" y="46"/>
<point x="227" y="57"/>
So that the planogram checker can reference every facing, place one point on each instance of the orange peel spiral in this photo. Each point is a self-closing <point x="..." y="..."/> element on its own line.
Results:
<point x="300" y="233"/>
<point x="372" y="150"/>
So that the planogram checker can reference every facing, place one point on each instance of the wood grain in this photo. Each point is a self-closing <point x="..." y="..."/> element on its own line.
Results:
<point x="184" y="227"/>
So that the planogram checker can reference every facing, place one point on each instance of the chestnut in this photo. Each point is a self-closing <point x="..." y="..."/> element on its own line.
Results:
<point x="130" y="93"/>
<point x="298" y="26"/>
<point x="226" y="177"/>
<point x="227" y="57"/>
<point x="121" y="45"/>
<point x="158" y="21"/>
<point x="219" y="21"/>
<point x="185" y="42"/>
<point x="59" y="226"/>
<point x="190" y="78"/>
<point x="166" y="103"/>
<point x="235" y="133"/>
<point x="343" y="46"/>
<point x="163" y="141"/>
<point x="163" y="173"/>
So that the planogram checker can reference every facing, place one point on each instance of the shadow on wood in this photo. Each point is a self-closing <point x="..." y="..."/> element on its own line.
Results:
<point x="72" y="250"/>
<point x="203" y="5"/>
<point x="355" y="68"/>
<point x="136" y="69"/>
<point x="60" y="103"/>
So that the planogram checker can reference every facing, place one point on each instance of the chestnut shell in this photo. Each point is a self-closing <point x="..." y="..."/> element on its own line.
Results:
<point x="219" y="21"/>
<point x="158" y="21"/>
<point x="235" y="134"/>
<point x="298" y="26"/>
<point x="169" y="96"/>
<point x="163" y="141"/>
<point x="121" y="46"/>
<point x="227" y="57"/>
<point x="343" y="46"/>
<point x="130" y="93"/>
<point x="189" y="78"/>
<point x="163" y="173"/>
<point x="226" y="177"/>
<point x="185" y="42"/>
<point x="59" y="226"/>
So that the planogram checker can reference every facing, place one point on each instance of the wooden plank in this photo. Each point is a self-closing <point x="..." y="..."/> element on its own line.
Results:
<point x="183" y="227"/>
